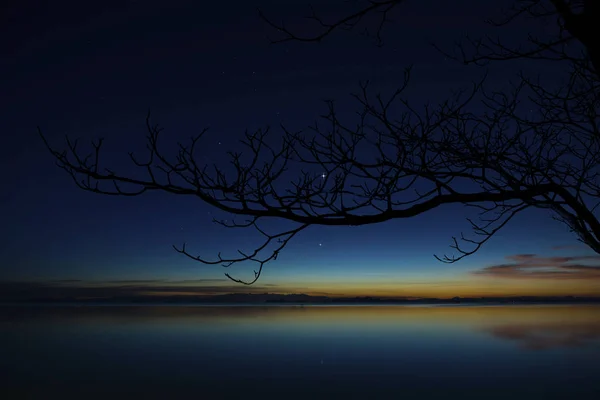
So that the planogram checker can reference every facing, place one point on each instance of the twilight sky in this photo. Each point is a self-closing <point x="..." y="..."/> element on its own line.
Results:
<point x="90" y="69"/>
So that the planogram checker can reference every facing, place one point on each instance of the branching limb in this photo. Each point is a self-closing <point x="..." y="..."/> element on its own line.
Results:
<point x="380" y="8"/>
<point x="534" y="145"/>
<point x="281" y="238"/>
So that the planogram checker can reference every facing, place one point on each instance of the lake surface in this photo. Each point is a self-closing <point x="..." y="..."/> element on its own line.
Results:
<point x="395" y="352"/>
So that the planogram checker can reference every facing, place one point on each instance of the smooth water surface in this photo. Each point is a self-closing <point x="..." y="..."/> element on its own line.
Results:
<point x="203" y="352"/>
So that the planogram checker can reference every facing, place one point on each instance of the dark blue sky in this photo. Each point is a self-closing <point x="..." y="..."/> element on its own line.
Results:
<point x="89" y="69"/>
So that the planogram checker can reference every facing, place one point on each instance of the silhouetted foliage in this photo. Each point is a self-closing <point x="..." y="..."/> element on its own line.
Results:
<point x="418" y="158"/>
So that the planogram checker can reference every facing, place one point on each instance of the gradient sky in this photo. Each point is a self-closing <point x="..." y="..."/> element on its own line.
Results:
<point x="89" y="69"/>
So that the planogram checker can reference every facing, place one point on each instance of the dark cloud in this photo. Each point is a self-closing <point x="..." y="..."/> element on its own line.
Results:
<point x="134" y="281"/>
<point x="549" y="335"/>
<point x="200" y="290"/>
<point x="534" y="266"/>
<point x="166" y="281"/>
<point x="11" y="290"/>
<point x="200" y="280"/>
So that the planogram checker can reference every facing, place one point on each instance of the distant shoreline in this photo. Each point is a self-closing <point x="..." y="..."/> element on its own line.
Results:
<point x="300" y="300"/>
<point x="244" y="305"/>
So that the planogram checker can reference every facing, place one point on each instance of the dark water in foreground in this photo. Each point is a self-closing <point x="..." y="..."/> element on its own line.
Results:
<point x="395" y="352"/>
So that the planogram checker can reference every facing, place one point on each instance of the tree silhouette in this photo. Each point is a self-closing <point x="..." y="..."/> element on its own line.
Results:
<point x="574" y="20"/>
<point x="400" y="161"/>
<point x="559" y="143"/>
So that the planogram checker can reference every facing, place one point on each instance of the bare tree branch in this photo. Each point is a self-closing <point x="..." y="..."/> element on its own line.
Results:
<point x="574" y="22"/>
<point x="380" y="8"/>
<point x="536" y="144"/>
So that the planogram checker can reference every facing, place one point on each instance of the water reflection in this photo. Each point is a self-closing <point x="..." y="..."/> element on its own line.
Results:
<point x="351" y="351"/>
<point x="547" y="336"/>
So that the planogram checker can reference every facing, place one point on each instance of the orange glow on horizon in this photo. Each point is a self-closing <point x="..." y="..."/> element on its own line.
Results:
<point x="469" y="287"/>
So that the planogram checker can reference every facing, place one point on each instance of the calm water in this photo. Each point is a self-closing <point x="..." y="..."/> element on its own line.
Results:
<point x="515" y="352"/>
